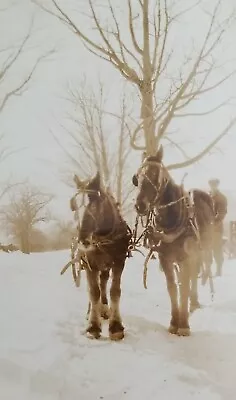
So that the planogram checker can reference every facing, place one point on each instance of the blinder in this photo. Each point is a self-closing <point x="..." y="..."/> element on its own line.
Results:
<point x="135" y="180"/>
<point x="73" y="204"/>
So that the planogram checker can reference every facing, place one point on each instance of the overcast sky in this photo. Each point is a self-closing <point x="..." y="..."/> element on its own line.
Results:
<point x="28" y="121"/>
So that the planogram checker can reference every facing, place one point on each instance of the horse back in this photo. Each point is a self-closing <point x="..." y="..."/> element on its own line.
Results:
<point x="204" y="210"/>
<point x="203" y="198"/>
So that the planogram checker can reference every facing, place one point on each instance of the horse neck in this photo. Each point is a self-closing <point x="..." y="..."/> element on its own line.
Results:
<point x="107" y="215"/>
<point x="114" y="211"/>
<point x="87" y="225"/>
<point x="102" y="219"/>
<point x="170" y="216"/>
<point x="119" y="224"/>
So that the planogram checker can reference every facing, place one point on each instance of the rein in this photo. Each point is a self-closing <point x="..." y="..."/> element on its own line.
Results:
<point x="148" y="231"/>
<point x="154" y="208"/>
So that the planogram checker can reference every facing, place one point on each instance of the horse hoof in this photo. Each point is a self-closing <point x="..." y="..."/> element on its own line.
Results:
<point x="94" y="335"/>
<point x="116" y="330"/>
<point x="117" y="335"/>
<point x="94" y="331"/>
<point x="184" y="332"/>
<point x="173" y="329"/>
<point x="105" y="311"/>
<point x="194" y="306"/>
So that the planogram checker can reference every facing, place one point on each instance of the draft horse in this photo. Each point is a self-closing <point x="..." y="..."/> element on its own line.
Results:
<point x="181" y="227"/>
<point x="103" y="241"/>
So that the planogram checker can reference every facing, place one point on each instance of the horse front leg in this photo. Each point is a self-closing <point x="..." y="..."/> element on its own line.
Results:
<point x="185" y="272"/>
<point x="169" y="272"/>
<point x="94" y="326"/>
<point x="208" y="264"/>
<point x="195" y="269"/>
<point x="116" y="329"/>
<point x="104" y="276"/>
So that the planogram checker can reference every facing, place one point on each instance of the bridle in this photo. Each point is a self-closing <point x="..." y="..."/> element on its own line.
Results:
<point x="96" y="239"/>
<point x="159" y="188"/>
<point x="154" y="206"/>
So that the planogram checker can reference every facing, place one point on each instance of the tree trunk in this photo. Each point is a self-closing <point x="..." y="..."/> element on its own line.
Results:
<point x="146" y="89"/>
<point x="120" y="164"/>
<point x="147" y="115"/>
<point x="25" y="243"/>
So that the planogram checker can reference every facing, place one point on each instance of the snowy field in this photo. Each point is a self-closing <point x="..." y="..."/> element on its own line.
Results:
<point x="44" y="354"/>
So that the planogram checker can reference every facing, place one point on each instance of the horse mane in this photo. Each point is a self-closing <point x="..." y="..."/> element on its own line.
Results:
<point x="172" y="214"/>
<point x="111" y="209"/>
<point x="114" y="204"/>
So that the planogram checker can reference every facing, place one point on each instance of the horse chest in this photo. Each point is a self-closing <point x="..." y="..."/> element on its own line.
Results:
<point x="102" y="260"/>
<point x="180" y="249"/>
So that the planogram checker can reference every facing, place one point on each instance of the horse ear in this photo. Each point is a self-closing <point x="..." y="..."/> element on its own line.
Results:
<point x="144" y="155"/>
<point x="159" y="154"/>
<point x="96" y="182"/>
<point x="78" y="182"/>
<point x="73" y="204"/>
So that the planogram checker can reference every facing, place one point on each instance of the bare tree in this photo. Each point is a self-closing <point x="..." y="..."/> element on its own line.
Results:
<point x="124" y="188"/>
<point x="89" y="131"/>
<point x="26" y="209"/>
<point x="94" y="148"/>
<point x="10" y="56"/>
<point x="144" y="59"/>
<point x="5" y="153"/>
<point x="62" y="235"/>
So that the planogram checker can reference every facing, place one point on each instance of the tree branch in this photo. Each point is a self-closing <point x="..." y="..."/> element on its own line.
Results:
<point x="204" y="152"/>
<point x="203" y="113"/>
<point x="178" y="146"/>
<point x="18" y="90"/>
<point x="7" y="65"/>
<point x="204" y="52"/>
<point x="131" y="29"/>
<point x="108" y="53"/>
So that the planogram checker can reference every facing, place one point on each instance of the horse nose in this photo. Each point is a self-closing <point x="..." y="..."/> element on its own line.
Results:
<point x="86" y="242"/>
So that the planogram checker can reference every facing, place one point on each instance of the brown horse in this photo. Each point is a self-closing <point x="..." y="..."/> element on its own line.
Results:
<point x="181" y="228"/>
<point x="103" y="240"/>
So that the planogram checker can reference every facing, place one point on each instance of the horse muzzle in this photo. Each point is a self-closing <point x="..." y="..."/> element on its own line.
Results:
<point x="141" y="208"/>
<point x="86" y="246"/>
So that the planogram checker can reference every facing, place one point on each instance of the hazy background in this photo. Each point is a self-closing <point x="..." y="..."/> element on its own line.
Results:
<point x="28" y="121"/>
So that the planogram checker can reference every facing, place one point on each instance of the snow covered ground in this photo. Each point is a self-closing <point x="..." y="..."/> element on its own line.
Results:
<point x="45" y="356"/>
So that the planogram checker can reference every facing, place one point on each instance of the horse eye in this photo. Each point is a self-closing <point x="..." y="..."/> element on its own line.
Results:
<point x="135" y="180"/>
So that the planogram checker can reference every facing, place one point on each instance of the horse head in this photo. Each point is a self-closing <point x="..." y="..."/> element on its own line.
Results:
<point x="99" y="216"/>
<point x="151" y="180"/>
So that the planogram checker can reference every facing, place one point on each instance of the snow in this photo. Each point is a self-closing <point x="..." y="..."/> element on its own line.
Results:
<point x="44" y="354"/>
